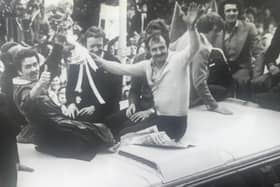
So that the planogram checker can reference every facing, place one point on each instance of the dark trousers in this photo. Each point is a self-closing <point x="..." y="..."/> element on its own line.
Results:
<point x="269" y="100"/>
<point x="241" y="81"/>
<point x="174" y="126"/>
<point x="117" y="122"/>
<point x="8" y="160"/>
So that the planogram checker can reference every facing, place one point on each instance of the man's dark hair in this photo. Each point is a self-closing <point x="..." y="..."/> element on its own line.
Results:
<point x="155" y="37"/>
<point x="238" y="3"/>
<point x="95" y="32"/>
<point x="207" y="22"/>
<point x="156" y="27"/>
<point x="23" y="54"/>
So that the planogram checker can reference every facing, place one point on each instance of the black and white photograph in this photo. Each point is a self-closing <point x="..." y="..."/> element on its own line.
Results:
<point x="139" y="93"/>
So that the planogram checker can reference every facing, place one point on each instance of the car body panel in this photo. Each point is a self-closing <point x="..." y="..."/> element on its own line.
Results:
<point x="222" y="145"/>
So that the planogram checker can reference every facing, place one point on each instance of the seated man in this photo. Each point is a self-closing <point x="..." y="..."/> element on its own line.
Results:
<point x="54" y="132"/>
<point x="166" y="76"/>
<point x="241" y="47"/>
<point x="109" y="86"/>
<point x="209" y="25"/>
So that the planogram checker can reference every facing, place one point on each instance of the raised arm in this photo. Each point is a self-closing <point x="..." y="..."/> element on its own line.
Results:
<point x="121" y="69"/>
<point x="189" y="43"/>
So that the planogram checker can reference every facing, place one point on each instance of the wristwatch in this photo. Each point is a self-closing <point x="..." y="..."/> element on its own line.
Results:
<point x="153" y="111"/>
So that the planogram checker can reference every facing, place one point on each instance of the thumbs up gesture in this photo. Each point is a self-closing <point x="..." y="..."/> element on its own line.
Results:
<point x="45" y="77"/>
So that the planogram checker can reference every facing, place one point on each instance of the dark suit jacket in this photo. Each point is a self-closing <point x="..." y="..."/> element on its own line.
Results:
<point x="242" y="46"/>
<point x="199" y="90"/>
<point x="108" y="85"/>
<point x="273" y="50"/>
<point x="8" y="145"/>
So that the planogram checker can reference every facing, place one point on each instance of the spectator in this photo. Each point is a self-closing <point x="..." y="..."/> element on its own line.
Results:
<point x="209" y="25"/>
<point x="54" y="132"/>
<point x="240" y="44"/>
<point x="250" y="15"/>
<point x="109" y="86"/>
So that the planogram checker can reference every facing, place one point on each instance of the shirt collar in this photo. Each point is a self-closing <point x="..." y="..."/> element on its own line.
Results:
<point x="234" y="28"/>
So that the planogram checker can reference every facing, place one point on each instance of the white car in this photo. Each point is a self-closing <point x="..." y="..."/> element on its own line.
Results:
<point x="242" y="149"/>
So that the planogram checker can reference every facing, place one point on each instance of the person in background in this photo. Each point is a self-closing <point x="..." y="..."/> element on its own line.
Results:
<point x="54" y="133"/>
<point x="241" y="47"/>
<point x="109" y="86"/>
<point x="209" y="26"/>
<point x="250" y="15"/>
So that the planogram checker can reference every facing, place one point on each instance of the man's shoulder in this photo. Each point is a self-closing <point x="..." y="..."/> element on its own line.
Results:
<point x="246" y="25"/>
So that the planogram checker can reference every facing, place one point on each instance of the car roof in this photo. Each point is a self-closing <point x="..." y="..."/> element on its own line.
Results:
<point x="222" y="144"/>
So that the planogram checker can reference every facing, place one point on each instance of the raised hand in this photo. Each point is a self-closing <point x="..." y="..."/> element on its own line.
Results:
<point x="194" y="11"/>
<point x="45" y="77"/>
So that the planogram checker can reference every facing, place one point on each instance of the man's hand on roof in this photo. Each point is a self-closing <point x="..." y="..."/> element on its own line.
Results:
<point x="222" y="110"/>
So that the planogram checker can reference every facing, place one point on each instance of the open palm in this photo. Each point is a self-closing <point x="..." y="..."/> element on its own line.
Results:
<point x="192" y="14"/>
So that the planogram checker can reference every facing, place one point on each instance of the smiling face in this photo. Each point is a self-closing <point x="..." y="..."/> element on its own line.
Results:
<point x="30" y="69"/>
<point x="158" y="50"/>
<point x="231" y="13"/>
<point x="95" y="45"/>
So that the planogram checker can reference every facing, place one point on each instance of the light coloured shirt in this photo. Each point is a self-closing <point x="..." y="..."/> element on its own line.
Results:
<point x="170" y="87"/>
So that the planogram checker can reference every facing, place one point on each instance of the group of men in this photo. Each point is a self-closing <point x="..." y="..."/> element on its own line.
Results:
<point x="80" y="116"/>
